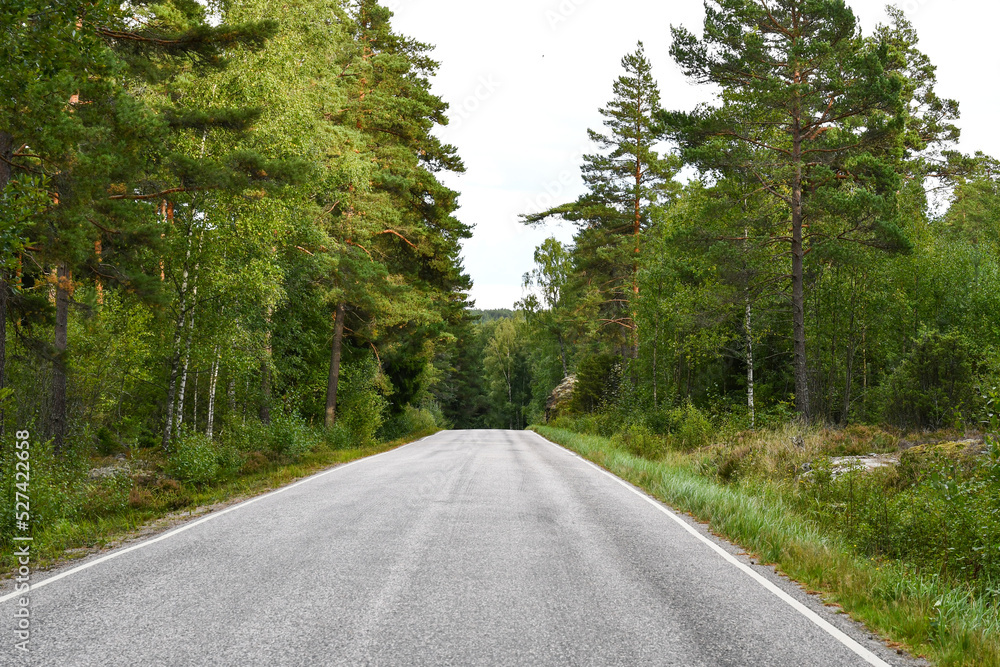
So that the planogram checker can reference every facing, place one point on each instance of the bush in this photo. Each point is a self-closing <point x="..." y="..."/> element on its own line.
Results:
<point x="56" y="485"/>
<point x="692" y="428"/>
<point x="640" y="441"/>
<point x="289" y="436"/>
<point x="193" y="459"/>
<point x="411" y="421"/>
<point x="361" y="407"/>
<point x="337" y="437"/>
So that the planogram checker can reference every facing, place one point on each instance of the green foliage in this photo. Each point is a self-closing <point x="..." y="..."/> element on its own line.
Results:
<point x="289" y="437"/>
<point x="934" y="385"/>
<point x="640" y="441"/>
<point x="411" y="421"/>
<point x="597" y="379"/>
<point x="691" y="428"/>
<point x="194" y="460"/>
<point x="362" y="408"/>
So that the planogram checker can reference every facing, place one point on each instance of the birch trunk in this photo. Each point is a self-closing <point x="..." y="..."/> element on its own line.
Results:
<point x="187" y="347"/>
<point x="175" y="357"/>
<point x="212" y="384"/>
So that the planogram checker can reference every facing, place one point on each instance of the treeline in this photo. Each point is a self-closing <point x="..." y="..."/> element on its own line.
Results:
<point x="828" y="255"/>
<point x="218" y="216"/>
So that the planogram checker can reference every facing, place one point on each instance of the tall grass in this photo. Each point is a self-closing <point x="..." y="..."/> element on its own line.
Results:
<point x="949" y="622"/>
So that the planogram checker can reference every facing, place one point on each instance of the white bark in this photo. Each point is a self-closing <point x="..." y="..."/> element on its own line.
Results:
<point x="212" y="384"/>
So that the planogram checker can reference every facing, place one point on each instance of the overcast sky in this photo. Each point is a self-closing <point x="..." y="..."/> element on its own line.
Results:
<point x="525" y="79"/>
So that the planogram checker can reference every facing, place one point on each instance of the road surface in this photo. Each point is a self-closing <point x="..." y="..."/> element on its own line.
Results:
<point x="466" y="548"/>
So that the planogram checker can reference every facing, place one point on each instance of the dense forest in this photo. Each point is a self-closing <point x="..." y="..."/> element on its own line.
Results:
<point x="218" y="216"/>
<point x="225" y="216"/>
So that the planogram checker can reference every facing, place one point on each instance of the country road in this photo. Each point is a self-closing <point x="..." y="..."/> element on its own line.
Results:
<point x="466" y="548"/>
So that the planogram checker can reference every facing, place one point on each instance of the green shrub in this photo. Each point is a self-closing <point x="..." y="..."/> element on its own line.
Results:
<point x="337" y="437"/>
<point x="640" y="441"/>
<point x="194" y="459"/>
<point x="56" y="485"/>
<point x="692" y="428"/>
<point x="289" y="436"/>
<point x="412" y="420"/>
<point x="361" y="406"/>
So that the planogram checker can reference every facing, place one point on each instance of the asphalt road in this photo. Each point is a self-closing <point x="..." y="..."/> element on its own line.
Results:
<point x="466" y="548"/>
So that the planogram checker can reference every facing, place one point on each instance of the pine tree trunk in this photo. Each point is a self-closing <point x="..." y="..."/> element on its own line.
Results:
<point x="334" y="381"/>
<point x="57" y="427"/>
<point x="212" y="384"/>
<point x="750" y="386"/>
<point x="798" y="281"/>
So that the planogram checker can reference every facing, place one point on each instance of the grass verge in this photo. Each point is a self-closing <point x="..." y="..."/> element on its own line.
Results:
<point x="946" y="623"/>
<point x="68" y="539"/>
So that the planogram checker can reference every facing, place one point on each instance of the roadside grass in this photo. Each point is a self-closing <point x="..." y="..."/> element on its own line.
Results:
<point x="113" y="512"/>
<point x="948" y="623"/>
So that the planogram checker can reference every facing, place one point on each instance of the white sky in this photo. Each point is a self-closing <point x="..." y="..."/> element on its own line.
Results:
<point x="525" y="79"/>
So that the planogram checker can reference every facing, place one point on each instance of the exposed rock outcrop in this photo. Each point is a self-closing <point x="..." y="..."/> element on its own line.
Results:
<point x="560" y="398"/>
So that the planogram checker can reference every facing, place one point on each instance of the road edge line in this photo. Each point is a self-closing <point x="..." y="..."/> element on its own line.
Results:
<point x="811" y="615"/>
<point x="205" y="519"/>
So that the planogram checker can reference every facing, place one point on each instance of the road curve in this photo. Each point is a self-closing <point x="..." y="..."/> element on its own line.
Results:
<point x="466" y="548"/>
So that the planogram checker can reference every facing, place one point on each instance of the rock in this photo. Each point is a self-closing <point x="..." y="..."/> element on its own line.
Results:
<point x="560" y="398"/>
<point x="866" y="463"/>
<point x="109" y="471"/>
<point x="956" y="450"/>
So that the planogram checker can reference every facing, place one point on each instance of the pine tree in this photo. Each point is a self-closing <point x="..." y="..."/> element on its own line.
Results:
<point x="625" y="181"/>
<point x="811" y="113"/>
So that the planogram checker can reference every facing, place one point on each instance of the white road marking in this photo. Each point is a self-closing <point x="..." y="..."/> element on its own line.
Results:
<point x="823" y="624"/>
<point x="189" y="526"/>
